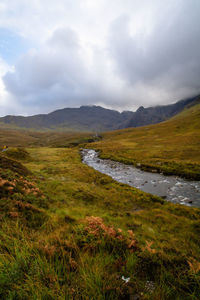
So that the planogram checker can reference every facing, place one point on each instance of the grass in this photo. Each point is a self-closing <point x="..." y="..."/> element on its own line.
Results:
<point x="24" y="138"/>
<point x="69" y="232"/>
<point x="171" y="147"/>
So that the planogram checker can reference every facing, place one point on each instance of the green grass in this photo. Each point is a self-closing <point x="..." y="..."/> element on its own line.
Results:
<point x="69" y="232"/>
<point x="171" y="147"/>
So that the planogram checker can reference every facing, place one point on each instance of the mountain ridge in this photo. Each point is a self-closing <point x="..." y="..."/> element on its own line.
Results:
<point x="97" y="118"/>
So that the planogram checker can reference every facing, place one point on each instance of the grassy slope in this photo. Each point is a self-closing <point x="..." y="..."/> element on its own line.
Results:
<point x="22" y="138"/>
<point x="54" y="129"/>
<point x="51" y="247"/>
<point x="172" y="147"/>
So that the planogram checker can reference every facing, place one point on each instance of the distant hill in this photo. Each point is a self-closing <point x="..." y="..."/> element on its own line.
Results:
<point x="95" y="118"/>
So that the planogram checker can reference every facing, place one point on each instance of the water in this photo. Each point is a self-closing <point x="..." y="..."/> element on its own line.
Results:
<point x="172" y="188"/>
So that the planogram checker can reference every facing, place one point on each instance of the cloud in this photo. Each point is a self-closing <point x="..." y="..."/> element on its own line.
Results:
<point x="48" y="72"/>
<point x="61" y="74"/>
<point x="119" y="55"/>
<point x="7" y="102"/>
<point x="165" y="60"/>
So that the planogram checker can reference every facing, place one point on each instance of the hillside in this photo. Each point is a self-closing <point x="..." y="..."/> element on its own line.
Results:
<point x="25" y="138"/>
<point x="95" y="118"/>
<point x="152" y="115"/>
<point x="171" y="147"/>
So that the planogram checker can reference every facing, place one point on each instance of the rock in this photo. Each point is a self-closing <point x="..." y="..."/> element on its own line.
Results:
<point x="186" y="200"/>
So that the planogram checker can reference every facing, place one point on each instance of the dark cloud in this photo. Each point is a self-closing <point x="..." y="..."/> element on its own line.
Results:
<point x="167" y="58"/>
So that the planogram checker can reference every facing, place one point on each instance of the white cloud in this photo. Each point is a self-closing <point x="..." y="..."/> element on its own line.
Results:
<point x="6" y="100"/>
<point x="62" y="73"/>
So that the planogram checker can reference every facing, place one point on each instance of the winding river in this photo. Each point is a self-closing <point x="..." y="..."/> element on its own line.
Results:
<point x="172" y="188"/>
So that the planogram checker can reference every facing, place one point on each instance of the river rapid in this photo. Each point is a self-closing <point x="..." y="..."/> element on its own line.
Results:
<point x="171" y="188"/>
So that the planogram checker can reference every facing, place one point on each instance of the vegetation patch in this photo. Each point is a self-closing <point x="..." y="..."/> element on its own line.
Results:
<point x="13" y="165"/>
<point x="17" y="153"/>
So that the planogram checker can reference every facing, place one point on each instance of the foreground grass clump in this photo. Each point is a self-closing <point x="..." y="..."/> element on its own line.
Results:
<point x="69" y="232"/>
<point x="17" y="153"/>
<point x="171" y="147"/>
<point x="12" y="165"/>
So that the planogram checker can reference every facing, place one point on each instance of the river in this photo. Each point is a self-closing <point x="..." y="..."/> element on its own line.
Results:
<point x="172" y="188"/>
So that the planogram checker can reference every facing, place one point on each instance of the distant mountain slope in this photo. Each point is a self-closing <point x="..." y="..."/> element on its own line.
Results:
<point x="85" y="118"/>
<point x="172" y="147"/>
<point x="152" y="115"/>
<point x="95" y="118"/>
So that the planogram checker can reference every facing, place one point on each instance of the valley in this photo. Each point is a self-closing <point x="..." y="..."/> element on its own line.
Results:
<point x="68" y="231"/>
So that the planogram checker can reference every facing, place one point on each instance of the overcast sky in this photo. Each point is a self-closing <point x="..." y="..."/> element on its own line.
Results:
<point x="120" y="54"/>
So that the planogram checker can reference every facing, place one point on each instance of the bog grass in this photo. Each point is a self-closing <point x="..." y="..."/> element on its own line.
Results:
<point x="69" y="232"/>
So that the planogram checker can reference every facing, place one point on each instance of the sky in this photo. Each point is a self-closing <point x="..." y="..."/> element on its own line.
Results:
<point x="119" y="54"/>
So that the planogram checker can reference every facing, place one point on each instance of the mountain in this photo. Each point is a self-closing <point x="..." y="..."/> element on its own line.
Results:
<point x="85" y="118"/>
<point x="152" y="115"/>
<point x="95" y="118"/>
